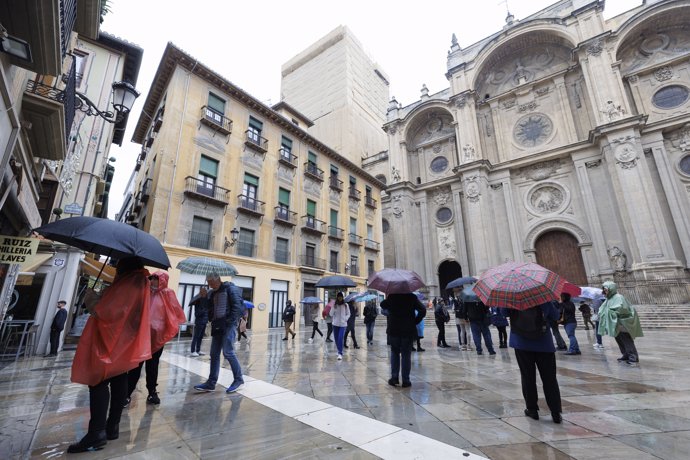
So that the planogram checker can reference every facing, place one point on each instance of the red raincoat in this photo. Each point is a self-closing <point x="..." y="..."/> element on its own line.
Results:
<point x="117" y="336"/>
<point x="166" y="313"/>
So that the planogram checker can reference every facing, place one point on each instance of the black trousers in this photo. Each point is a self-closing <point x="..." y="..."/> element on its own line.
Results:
<point x="441" y="325"/>
<point x="627" y="345"/>
<point x="350" y="330"/>
<point x="529" y="362"/>
<point x="329" y="331"/>
<point x="111" y="392"/>
<point x="315" y="329"/>
<point x="54" y="341"/>
<point x="502" y="336"/>
<point x="151" y="374"/>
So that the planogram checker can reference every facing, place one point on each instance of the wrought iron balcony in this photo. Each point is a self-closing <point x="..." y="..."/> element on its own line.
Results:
<point x="335" y="183"/>
<point x="335" y="232"/>
<point x="284" y="216"/>
<point x="371" y="244"/>
<point x="287" y="158"/>
<point x="369" y="201"/>
<point x="306" y="260"/>
<point x="355" y="239"/>
<point x="255" y="141"/>
<point x="206" y="191"/>
<point x="201" y="240"/>
<point x="311" y="170"/>
<point x="145" y="191"/>
<point x="250" y="205"/>
<point x="313" y="225"/>
<point x="354" y="194"/>
<point x="215" y="120"/>
<point x="158" y="121"/>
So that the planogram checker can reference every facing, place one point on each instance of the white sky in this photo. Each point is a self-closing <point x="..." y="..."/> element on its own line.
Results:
<point x="248" y="42"/>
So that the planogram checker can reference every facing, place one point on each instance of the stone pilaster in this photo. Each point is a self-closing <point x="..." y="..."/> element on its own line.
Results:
<point x="459" y="224"/>
<point x="426" y="242"/>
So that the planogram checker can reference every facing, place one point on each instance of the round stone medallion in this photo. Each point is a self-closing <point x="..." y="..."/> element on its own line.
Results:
<point x="532" y="130"/>
<point x="547" y="198"/>
<point x="444" y="215"/>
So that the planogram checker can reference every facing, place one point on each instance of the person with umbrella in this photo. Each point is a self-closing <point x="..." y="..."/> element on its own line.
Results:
<point x="618" y="319"/>
<point x="288" y="319"/>
<point x="117" y="337"/>
<point x="370" y="315"/>
<point x="340" y="312"/>
<point x="405" y="311"/>
<point x="201" y="305"/>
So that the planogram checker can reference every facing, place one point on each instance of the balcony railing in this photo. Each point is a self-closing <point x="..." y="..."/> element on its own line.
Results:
<point x="313" y="225"/>
<point x="311" y="170"/>
<point x="335" y="232"/>
<point x="246" y="249"/>
<point x="306" y="260"/>
<point x="158" y="122"/>
<point x="216" y="120"/>
<point x="371" y="244"/>
<point x="354" y="194"/>
<point x="334" y="267"/>
<point x="145" y="190"/>
<point x="207" y="191"/>
<point x="250" y="205"/>
<point x="354" y="270"/>
<point x="68" y="18"/>
<point x="369" y="201"/>
<point x="353" y="238"/>
<point x="335" y="183"/>
<point x="282" y="256"/>
<point x="255" y="141"/>
<point x="287" y="158"/>
<point x="201" y="240"/>
<point x="66" y="97"/>
<point x="283" y="215"/>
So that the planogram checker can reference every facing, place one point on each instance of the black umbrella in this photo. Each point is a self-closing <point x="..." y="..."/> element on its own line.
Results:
<point x="460" y="282"/>
<point x="335" y="281"/>
<point x="107" y="237"/>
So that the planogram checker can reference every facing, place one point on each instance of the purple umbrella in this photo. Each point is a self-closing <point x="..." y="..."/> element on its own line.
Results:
<point x="395" y="281"/>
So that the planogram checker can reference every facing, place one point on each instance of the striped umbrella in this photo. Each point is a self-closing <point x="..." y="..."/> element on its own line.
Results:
<point x="205" y="266"/>
<point x="518" y="285"/>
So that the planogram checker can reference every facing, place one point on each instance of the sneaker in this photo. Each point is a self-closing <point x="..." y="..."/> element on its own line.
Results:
<point x="153" y="398"/>
<point x="204" y="387"/>
<point x="633" y="360"/>
<point x="194" y="354"/>
<point x="201" y="353"/>
<point x="340" y="357"/>
<point x="310" y="340"/>
<point x="492" y="352"/>
<point x="236" y="385"/>
<point x="479" y="352"/>
<point x="284" y="338"/>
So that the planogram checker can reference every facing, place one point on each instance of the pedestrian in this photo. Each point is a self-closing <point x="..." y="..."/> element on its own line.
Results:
<point x="420" y="334"/>
<point x="462" y="323"/>
<point x="165" y="317"/>
<point x="570" y="323"/>
<point x="354" y="313"/>
<point x="441" y="317"/>
<point x="370" y="315"/>
<point x="329" y="320"/>
<point x="618" y="319"/>
<point x="553" y="324"/>
<point x="225" y="313"/>
<point x="201" y="305"/>
<point x="596" y="303"/>
<point x="288" y="318"/>
<point x="340" y="313"/>
<point x="478" y="315"/>
<point x="314" y="314"/>
<point x="116" y="338"/>
<point x="586" y="312"/>
<point x="499" y="319"/>
<point x="531" y="339"/>
<point x="404" y="312"/>
<point x="242" y="326"/>
<point x="56" y="327"/>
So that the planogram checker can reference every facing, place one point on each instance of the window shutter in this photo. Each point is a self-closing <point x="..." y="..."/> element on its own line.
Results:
<point x="312" y="157"/>
<point x="334" y="218"/>
<point x="284" y="197"/>
<point x="286" y="143"/>
<point x="256" y="124"/>
<point x="216" y="103"/>
<point x="208" y="167"/>
<point x="251" y="180"/>
<point x="311" y="208"/>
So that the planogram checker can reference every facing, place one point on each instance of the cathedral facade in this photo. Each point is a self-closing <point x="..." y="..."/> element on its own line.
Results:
<point x="563" y="139"/>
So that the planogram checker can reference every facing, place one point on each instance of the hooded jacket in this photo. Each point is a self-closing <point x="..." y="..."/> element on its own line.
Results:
<point x="166" y="312"/>
<point x="616" y="314"/>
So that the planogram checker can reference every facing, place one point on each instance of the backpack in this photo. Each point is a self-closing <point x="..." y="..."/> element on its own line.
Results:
<point x="529" y="323"/>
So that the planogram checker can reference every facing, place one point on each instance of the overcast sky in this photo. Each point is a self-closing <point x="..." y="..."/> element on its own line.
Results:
<point x="248" y="42"/>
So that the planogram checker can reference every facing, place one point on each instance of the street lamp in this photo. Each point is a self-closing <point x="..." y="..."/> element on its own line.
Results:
<point x="124" y="94"/>
<point x="234" y="233"/>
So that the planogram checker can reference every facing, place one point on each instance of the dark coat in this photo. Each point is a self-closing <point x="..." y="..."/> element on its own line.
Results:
<point x="402" y="321"/>
<point x="568" y="312"/>
<point x="59" y="320"/>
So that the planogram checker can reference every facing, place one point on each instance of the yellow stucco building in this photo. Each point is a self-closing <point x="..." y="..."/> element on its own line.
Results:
<point x="223" y="175"/>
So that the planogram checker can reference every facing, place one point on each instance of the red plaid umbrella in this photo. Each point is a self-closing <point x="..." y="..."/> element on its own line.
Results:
<point x="570" y="288"/>
<point x="518" y="285"/>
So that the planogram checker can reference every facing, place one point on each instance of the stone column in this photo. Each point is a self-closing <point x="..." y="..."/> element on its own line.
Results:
<point x="566" y="110"/>
<point x="461" y="241"/>
<point x="426" y="241"/>
<point x="475" y="185"/>
<point x="515" y="239"/>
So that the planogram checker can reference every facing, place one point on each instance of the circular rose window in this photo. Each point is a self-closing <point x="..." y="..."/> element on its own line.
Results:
<point x="684" y="165"/>
<point x="444" y="215"/>
<point x="671" y="97"/>
<point x="532" y="130"/>
<point x="439" y="164"/>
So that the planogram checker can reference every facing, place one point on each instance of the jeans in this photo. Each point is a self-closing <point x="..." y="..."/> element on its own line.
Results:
<point x="596" y="330"/>
<point x="370" y="331"/>
<point x="570" y="330"/>
<point x="199" y="329"/>
<point x="111" y="392"/>
<point x="401" y="362"/>
<point x="529" y="362"/>
<point x="462" y="332"/>
<point x="151" y="374"/>
<point x="479" y="329"/>
<point x="226" y="343"/>
<point x="350" y="329"/>
<point x="339" y="335"/>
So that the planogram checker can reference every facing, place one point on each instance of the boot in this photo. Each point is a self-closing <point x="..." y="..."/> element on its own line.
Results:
<point x="92" y="440"/>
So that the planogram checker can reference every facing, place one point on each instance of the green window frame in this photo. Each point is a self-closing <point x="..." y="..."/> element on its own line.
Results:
<point x="311" y="208"/>
<point x="286" y="143"/>
<point x="284" y="197"/>
<point x="208" y="167"/>
<point x="334" y="218"/>
<point x="311" y="157"/>
<point x="251" y="180"/>
<point x="216" y="103"/>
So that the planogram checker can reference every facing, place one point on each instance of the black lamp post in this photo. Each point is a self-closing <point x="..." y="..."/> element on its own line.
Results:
<point x="124" y="95"/>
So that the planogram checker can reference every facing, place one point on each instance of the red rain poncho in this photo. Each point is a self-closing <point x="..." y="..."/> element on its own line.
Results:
<point x="117" y="336"/>
<point x="166" y="313"/>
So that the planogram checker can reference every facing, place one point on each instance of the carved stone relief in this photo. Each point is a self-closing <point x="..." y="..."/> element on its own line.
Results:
<point x="626" y="156"/>
<point x="472" y="190"/>
<point x="468" y="153"/>
<point x="653" y="45"/>
<point x="441" y="196"/>
<point x="595" y="48"/>
<point x="540" y="171"/>
<point x="397" y="206"/>
<point x="663" y="73"/>
<point x="612" y="111"/>
<point x="447" y="248"/>
<point x="461" y="102"/>
<point x="353" y="205"/>
<point x="312" y="187"/>
<point x="546" y="199"/>
<point x="209" y="143"/>
<point x="530" y="106"/>
<point x="253" y="159"/>
<point x="509" y="103"/>
<point x="334" y="196"/>
<point x="554" y="224"/>
<point x="543" y="91"/>
<point x="618" y="258"/>
<point x="395" y="175"/>
<point x="285" y="174"/>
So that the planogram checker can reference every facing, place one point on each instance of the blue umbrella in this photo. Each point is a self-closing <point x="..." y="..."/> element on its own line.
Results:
<point x="311" y="300"/>
<point x="366" y="298"/>
<point x="460" y="282"/>
<point x="248" y="304"/>
<point x="335" y="281"/>
<point x="353" y="296"/>
<point x="468" y="295"/>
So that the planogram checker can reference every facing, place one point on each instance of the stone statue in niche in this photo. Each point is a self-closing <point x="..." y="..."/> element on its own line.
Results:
<point x="468" y="153"/>
<point x="612" y="111"/>
<point x="395" y="174"/>
<point x="618" y="258"/>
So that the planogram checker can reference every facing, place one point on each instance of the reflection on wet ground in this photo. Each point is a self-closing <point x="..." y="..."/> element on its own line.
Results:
<point x="300" y="402"/>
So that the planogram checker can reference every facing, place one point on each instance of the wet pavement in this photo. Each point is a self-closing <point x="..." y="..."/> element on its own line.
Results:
<point x="300" y="402"/>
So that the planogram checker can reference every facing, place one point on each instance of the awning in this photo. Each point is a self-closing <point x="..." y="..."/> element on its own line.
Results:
<point x="93" y="267"/>
<point x="35" y="261"/>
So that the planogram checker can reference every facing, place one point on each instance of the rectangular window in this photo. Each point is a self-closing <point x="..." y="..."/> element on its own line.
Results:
<point x="208" y="172"/>
<point x="354" y="268"/>
<point x="370" y="268"/>
<point x="250" y="189"/>
<point x="310" y="255"/>
<point x="79" y="66"/>
<point x="286" y="149"/>
<point x="353" y="225"/>
<point x="245" y="243"/>
<point x="370" y="232"/>
<point x="200" y="235"/>
<point x="216" y="103"/>
<point x="367" y="191"/>
<point x="282" y="251"/>
<point x="334" y="218"/>
<point x="311" y="158"/>
<point x="334" y="262"/>
<point x="255" y="129"/>
<point x="353" y="181"/>
<point x="311" y="208"/>
<point x="283" y="204"/>
<point x="334" y="170"/>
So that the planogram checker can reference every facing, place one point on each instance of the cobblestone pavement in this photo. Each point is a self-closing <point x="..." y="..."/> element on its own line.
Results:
<point x="300" y="402"/>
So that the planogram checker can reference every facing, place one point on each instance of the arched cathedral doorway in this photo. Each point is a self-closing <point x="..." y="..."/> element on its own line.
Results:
<point x="447" y="272"/>
<point x="559" y="252"/>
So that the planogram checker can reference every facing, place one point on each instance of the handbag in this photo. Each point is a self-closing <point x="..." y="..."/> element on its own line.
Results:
<point x="218" y="327"/>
